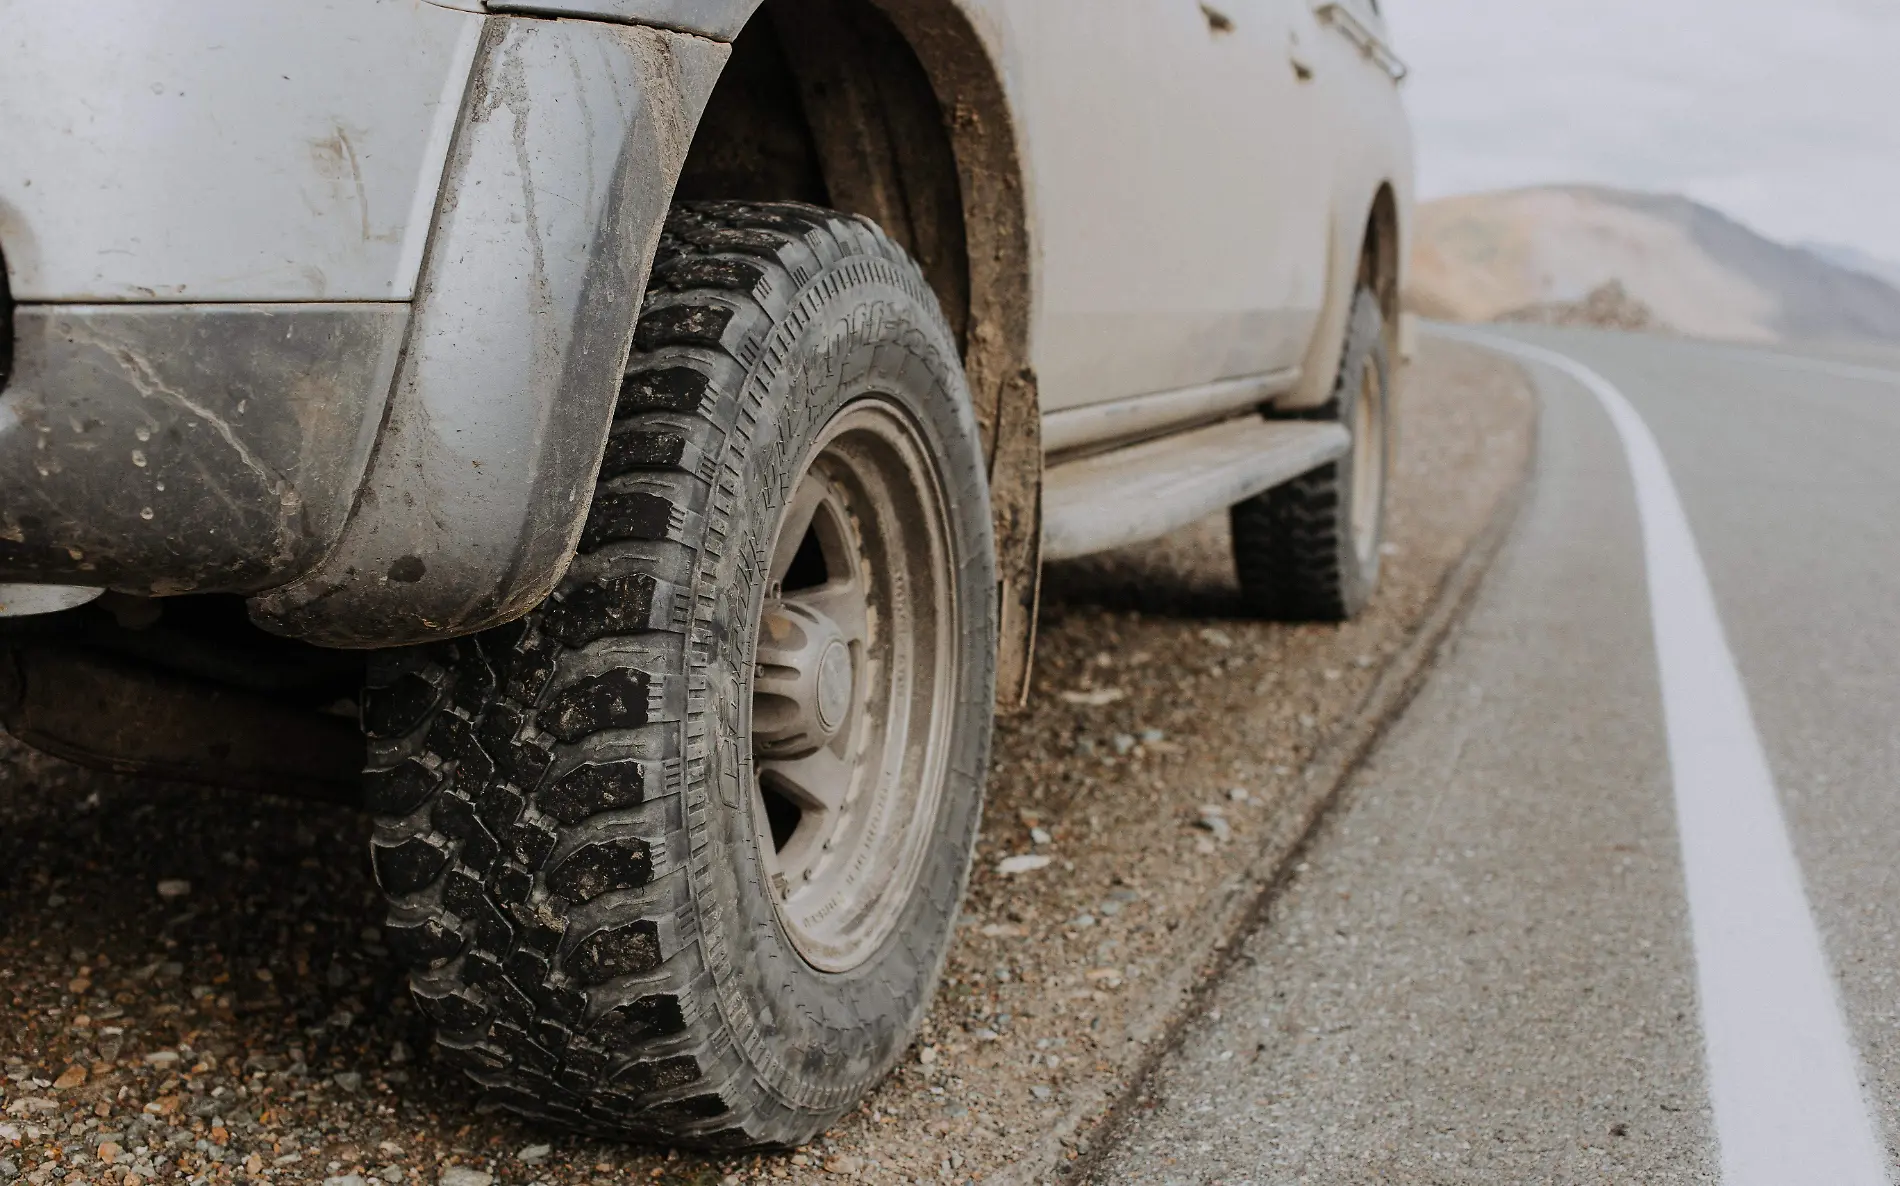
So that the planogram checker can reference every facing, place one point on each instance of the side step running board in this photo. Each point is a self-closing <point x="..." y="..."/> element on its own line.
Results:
<point x="1143" y="492"/>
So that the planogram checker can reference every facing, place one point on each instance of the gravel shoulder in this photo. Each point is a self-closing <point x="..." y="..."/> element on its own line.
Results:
<point x="193" y="986"/>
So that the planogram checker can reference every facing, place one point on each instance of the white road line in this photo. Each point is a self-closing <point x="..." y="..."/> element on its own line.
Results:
<point x="1783" y="1075"/>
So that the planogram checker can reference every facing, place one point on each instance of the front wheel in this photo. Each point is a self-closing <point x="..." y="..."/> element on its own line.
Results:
<point x="1309" y="549"/>
<point x="678" y="855"/>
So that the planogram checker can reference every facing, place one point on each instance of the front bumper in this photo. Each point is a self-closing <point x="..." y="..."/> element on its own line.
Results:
<point x="187" y="448"/>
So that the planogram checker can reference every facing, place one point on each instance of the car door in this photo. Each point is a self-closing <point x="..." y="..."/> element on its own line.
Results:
<point x="1179" y="213"/>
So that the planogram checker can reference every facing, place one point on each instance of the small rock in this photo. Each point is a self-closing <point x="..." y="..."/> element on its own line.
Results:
<point x="1040" y="836"/>
<point x="1002" y="930"/>
<point x="391" y="1173"/>
<point x="399" y="1053"/>
<point x="162" y="1058"/>
<point x="173" y="887"/>
<point x="1083" y="920"/>
<point x="8" y="1171"/>
<point x="1027" y="863"/>
<point x="729" y="1180"/>
<point x="1213" y="821"/>
<point x="1109" y="909"/>
<point x="462" y="1175"/>
<point x="1219" y="638"/>
<point x="1150" y="736"/>
<point x="71" y="1077"/>
<point x="1093" y="697"/>
<point x="844" y="1164"/>
<point x="534" y="1153"/>
<point x="985" y="1035"/>
<point x="345" y="1180"/>
<point x="350" y="1081"/>
<point x="1205" y="846"/>
<point x="1040" y="1092"/>
<point x="9" y="1132"/>
<point x="927" y="1055"/>
<point x="1237" y="794"/>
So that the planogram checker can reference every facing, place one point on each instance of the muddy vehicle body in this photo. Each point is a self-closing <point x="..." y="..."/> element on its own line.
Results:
<point x="631" y="431"/>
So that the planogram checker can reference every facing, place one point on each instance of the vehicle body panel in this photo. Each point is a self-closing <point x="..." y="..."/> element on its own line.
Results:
<point x="214" y="152"/>
<point x="1173" y="191"/>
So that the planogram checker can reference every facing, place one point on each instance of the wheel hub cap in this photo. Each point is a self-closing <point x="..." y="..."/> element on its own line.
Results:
<point x="802" y="693"/>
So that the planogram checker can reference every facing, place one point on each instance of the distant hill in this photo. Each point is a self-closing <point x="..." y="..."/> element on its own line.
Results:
<point x="1539" y="254"/>
<point x="1856" y="260"/>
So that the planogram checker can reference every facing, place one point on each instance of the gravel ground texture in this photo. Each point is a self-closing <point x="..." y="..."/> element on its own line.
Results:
<point x="193" y="986"/>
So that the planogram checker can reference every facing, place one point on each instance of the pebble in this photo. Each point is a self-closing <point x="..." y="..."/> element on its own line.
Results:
<point x="1213" y="821"/>
<point x="173" y="887"/>
<point x="1027" y="863"/>
<point x="534" y="1153"/>
<point x="462" y="1175"/>
<point x="345" y="1180"/>
<point x="350" y="1081"/>
<point x="162" y="1058"/>
<point x="1040" y="1092"/>
<point x="1040" y="836"/>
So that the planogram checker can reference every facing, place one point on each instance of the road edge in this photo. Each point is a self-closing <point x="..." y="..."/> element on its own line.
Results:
<point x="1242" y="902"/>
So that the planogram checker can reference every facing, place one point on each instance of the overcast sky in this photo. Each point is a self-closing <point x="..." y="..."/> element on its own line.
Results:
<point x="1782" y="113"/>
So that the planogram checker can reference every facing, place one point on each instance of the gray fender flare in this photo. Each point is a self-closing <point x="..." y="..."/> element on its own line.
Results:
<point x="570" y="141"/>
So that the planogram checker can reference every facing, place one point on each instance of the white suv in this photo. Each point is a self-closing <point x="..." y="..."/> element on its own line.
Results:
<point x="649" y="418"/>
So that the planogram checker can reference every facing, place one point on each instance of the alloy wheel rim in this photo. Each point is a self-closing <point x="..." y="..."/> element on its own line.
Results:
<point x="854" y="682"/>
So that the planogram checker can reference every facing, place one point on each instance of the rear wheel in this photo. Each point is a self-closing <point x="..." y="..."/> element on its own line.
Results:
<point x="678" y="855"/>
<point x="1309" y="549"/>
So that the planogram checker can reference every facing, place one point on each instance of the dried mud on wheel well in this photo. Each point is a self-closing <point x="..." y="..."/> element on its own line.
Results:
<point x="193" y="984"/>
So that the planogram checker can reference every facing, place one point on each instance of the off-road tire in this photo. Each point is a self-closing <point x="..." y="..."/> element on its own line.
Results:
<point x="1294" y="545"/>
<point x="562" y="823"/>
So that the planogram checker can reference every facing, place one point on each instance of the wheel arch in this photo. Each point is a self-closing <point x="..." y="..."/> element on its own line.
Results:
<point x="899" y="110"/>
<point x="1364" y="247"/>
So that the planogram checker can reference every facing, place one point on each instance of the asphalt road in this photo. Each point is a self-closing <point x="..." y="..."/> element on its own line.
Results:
<point x="1488" y="967"/>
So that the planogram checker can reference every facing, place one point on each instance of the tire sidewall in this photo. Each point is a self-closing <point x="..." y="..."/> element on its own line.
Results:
<point x="816" y="1040"/>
